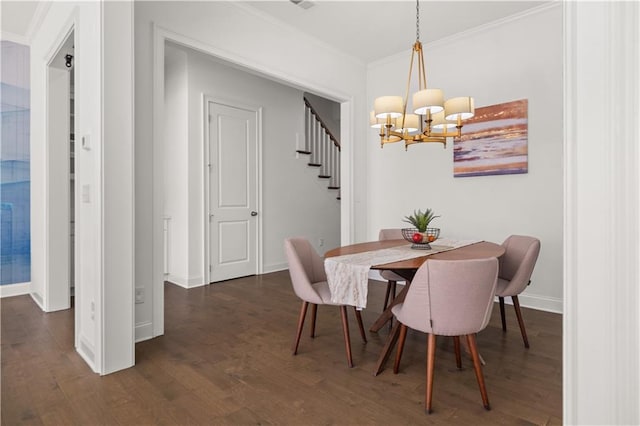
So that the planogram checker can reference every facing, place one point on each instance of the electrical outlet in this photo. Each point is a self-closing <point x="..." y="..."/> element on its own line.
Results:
<point x="321" y="242"/>
<point x="93" y="309"/>
<point x="139" y="295"/>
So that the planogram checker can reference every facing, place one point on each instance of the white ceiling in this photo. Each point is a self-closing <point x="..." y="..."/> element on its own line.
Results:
<point x="367" y="30"/>
<point x="17" y="16"/>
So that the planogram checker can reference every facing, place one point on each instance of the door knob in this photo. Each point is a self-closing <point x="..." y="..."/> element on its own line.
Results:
<point x="254" y="213"/>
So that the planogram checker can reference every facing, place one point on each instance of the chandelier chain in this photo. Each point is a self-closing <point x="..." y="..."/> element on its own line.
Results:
<point x="417" y="20"/>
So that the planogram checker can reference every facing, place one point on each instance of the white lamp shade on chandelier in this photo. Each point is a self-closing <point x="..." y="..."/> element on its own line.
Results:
<point x="459" y="107"/>
<point x="388" y="106"/>
<point x="431" y="100"/>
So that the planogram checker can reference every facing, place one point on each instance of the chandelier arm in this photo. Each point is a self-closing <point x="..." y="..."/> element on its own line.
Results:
<point x="406" y="96"/>
<point x="423" y="72"/>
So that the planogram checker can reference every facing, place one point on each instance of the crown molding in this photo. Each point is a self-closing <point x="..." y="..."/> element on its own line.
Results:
<point x="493" y="24"/>
<point x="468" y="33"/>
<point x="14" y="38"/>
<point x="36" y="21"/>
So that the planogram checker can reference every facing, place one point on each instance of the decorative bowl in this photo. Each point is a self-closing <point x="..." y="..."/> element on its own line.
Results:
<point x="429" y="236"/>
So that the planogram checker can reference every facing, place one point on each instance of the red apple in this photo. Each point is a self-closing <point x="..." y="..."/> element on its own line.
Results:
<point x="417" y="237"/>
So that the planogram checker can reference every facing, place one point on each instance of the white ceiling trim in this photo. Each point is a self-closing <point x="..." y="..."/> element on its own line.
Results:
<point x="493" y="24"/>
<point x="36" y="20"/>
<point x="465" y="34"/>
<point x="15" y="38"/>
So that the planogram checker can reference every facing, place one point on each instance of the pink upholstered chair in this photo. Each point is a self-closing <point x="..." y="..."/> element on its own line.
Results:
<point x="391" y="277"/>
<point x="306" y="268"/>
<point x="449" y="298"/>
<point x="516" y="267"/>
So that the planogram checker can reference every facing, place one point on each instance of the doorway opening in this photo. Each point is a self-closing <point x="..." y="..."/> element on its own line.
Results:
<point x="62" y="171"/>
<point x="234" y="186"/>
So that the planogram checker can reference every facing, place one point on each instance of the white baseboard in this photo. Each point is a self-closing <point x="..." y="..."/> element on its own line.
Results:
<point x="532" y="301"/>
<point x="540" y="303"/>
<point x="19" y="289"/>
<point x="185" y="282"/>
<point x="144" y="331"/>
<point x="87" y="352"/>
<point x="38" y="299"/>
<point x="266" y="269"/>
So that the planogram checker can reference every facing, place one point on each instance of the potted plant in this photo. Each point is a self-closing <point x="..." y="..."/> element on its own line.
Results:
<point x="421" y="220"/>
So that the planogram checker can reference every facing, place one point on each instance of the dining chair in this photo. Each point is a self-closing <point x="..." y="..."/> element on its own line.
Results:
<point x="306" y="268"/>
<point x="449" y="298"/>
<point x="391" y="277"/>
<point x="516" y="266"/>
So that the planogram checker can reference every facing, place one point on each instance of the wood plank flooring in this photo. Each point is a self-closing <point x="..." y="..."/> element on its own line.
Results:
<point x="226" y="358"/>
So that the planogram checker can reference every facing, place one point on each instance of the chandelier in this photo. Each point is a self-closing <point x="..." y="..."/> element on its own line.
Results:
<point x="433" y="120"/>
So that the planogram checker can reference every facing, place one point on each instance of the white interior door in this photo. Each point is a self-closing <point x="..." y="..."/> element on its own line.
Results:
<point x="233" y="200"/>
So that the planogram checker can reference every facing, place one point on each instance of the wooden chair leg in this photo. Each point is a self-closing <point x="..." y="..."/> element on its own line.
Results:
<point x="360" y="325"/>
<point x="303" y="313"/>
<point x="431" y="358"/>
<point x="345" y="330"/>
<point x="456" y="346"/>
<point x="471" y="341"/>
<point x="314" y="312"/>
<point x="504" y="322"/>
<point x="516" y="306"/>
<point x="402" y="338"/>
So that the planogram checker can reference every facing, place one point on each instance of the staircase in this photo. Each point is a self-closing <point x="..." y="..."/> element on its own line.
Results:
<point x="322" y="147"/>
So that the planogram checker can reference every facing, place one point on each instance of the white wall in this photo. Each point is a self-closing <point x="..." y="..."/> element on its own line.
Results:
<point x="242" y="36"/>
<point x="104" y="222"/>
<point x="517" y="59"/>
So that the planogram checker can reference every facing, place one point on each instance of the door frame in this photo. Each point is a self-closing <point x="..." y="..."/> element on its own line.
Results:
<point x="206" y="202"/>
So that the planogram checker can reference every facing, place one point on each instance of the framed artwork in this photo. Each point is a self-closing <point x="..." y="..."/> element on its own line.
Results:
<point x="15" y="179"/>
<point x="493" y="142"/>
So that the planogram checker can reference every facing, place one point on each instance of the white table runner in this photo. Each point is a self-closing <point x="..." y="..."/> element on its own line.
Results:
<point x="348" y="275"/>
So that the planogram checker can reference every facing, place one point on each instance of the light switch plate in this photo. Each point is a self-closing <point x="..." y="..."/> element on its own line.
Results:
<point x="86" y="194"/>
<point x="86" y="142"/>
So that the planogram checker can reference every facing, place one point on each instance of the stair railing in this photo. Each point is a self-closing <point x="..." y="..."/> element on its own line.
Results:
<point x="322" y="147"/>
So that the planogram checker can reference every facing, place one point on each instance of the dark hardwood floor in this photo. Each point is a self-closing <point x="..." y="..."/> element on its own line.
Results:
<point x="226" y="358"/>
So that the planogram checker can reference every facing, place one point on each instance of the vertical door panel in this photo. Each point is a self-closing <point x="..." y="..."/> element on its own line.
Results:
<point x="233" y="191"/>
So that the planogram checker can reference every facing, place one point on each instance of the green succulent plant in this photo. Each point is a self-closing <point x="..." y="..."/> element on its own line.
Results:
<point x="420" y="220"/>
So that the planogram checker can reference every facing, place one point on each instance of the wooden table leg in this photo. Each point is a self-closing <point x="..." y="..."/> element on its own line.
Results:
<point x="388" y="348"/>
<point x="386" y="315"/>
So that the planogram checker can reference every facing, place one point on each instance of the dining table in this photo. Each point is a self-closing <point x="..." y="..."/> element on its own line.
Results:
<point x="407" y="269"/>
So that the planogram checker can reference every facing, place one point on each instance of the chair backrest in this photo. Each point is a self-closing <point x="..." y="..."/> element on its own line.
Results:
<point x="305" y="268"/>
<point x="390" y="234"/>
<point x="517" y="262"/>
<point x="451" y="297"/>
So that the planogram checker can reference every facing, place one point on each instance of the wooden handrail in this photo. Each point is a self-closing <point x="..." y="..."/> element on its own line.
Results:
<point x="324" y="126"/>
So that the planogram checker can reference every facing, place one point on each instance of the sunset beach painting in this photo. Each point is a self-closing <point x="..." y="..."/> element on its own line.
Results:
<point x="493" y="142"/>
